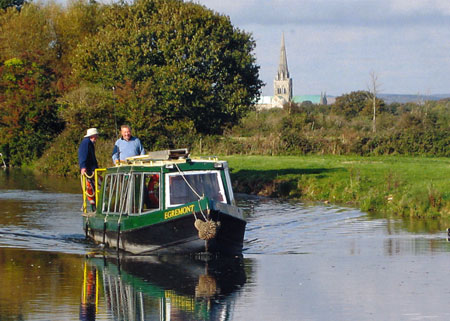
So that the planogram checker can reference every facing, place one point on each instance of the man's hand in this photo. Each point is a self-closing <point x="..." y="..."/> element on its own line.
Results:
<point x="83" y="171"/>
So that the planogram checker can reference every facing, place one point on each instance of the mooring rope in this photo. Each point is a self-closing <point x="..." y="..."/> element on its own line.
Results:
<point x="193" y="190"/>
<point x="207" y="229"/>
<point x="83" y="184"/>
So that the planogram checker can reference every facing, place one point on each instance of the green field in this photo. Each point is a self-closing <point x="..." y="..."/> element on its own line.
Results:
<point x="394" y="185"/>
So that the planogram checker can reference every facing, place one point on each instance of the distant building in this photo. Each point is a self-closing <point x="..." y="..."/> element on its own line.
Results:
<point x="282" y="85"/>
<point x="282" y="88"/>
<point x="323" y="98"/>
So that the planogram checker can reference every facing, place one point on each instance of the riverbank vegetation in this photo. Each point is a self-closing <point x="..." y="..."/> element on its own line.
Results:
<point x="344" y="128"/>
<point x="415" y="187"/>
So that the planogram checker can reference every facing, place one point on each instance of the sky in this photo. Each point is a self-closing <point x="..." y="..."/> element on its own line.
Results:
<point x="334" y="46"/>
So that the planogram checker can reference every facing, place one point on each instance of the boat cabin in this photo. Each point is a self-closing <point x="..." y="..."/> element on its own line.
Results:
<point x="146" y="184"/>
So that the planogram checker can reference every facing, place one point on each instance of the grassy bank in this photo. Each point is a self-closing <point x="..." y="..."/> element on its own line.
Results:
<point x="395" y="186"/>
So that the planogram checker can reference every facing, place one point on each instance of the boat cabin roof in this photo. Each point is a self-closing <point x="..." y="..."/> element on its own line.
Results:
<point x="165" y="158"/>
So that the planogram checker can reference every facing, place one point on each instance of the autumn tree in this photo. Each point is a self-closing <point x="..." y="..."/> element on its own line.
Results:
<point x="28" y="118"/>
<point x="48" y="33"/>
<point x="27" y="31"/>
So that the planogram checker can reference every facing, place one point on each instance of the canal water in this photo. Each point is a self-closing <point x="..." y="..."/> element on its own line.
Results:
<point x="301" y="262"/>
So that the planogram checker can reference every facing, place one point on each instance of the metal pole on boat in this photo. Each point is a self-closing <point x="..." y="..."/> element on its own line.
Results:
<point x="118" y="236"/>
<point x="3" y="160"/>
<point x="104" y="231"/>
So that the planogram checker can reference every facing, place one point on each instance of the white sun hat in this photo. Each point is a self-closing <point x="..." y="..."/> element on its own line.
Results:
<point x="91" y="132"/>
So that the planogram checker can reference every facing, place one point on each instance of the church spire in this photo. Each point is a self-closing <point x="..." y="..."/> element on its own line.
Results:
<point x="283" y="72"/>
<point x="282" y="84"/>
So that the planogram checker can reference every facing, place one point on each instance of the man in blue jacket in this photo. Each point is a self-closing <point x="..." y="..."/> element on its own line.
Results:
<point x="126" y="146"/>
<point x="86" y="152"/>
<point x="88" y="164"/>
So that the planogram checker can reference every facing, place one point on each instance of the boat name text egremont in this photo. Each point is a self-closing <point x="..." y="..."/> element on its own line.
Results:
<point x="178" y="211"/>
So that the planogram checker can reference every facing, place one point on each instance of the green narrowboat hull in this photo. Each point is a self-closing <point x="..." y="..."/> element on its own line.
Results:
<point x="170" y="231"/>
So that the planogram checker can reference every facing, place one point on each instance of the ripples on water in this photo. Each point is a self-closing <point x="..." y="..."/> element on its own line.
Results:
<point x="40" y="220"/>
<point x="292" y="228"/>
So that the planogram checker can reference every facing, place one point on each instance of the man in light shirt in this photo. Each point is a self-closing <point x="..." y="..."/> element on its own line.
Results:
<point x="126" y="146"/>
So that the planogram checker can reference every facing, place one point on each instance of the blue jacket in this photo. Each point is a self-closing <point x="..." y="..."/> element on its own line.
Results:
<point x="86" y="156"/>
<point x="124" y="149"/>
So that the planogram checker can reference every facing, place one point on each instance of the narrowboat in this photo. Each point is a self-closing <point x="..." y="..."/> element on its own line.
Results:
<point x="164" y="202"/>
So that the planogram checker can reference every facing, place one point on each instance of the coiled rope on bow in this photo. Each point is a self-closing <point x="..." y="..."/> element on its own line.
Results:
<point x="207" y="229"/>
<point x="83" y="184"/>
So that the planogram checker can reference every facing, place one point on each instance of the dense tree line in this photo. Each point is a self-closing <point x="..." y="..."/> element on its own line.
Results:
<point x="169" y="69"/>
<point x="181" y="76"/>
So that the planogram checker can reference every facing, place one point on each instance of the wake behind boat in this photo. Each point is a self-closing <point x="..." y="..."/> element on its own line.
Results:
<point x="165" y="202"/>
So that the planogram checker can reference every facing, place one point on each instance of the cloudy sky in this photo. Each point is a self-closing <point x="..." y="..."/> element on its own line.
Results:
<point x="334" y="45"/>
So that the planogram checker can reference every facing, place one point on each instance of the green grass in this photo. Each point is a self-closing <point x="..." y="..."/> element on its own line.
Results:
<point x="393" y="185"/>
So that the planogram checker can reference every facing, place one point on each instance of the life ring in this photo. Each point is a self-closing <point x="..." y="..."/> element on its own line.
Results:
<point x="153" y="195"/>
<point x="90" y="191"/>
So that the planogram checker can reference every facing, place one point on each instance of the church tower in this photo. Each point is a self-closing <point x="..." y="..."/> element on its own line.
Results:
<point x="282" y="84"/>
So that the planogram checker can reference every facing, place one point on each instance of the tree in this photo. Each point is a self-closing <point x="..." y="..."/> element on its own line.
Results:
<point x="69" y="26"/>
<point x="28" y="118"/>
<point x="374" y="86"/>
<point x="191" y="61"/>
<point x="350" y="105"/>
<point x="357" y="103"/>
<point x="11" y="3"/>
<point x="48" y="33"/>
<point x="27" y="31"/>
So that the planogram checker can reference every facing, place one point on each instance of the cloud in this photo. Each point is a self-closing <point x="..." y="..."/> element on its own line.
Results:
<point x="345" y="12"/>
<point x="440" y="7"/>
<point x="333" y="45"/>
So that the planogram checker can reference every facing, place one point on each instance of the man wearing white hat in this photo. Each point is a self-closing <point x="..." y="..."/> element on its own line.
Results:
<point x="86" y="152"/>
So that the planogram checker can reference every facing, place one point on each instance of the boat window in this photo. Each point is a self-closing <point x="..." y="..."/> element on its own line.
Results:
<point x="207" y="183"/>
<point x="151" y="194"/>
<point x="135" y="199"/>
<point x="132" y="194"/>
<point x="109" y="193"/>
<point x="106" y="194"/>
<point x="115" y="193"/>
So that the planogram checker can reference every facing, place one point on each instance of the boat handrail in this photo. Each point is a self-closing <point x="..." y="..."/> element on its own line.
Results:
<point x="96" y="188"/>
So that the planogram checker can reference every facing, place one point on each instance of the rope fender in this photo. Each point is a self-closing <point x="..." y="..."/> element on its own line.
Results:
<point x="207" y="230"/>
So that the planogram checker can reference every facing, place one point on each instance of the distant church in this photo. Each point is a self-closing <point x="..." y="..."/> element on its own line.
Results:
<point x="282" y="85"/>
<point x="282" y="88"/>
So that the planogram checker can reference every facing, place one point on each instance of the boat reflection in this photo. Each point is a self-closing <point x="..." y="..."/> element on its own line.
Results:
<point x="160" y="288"/>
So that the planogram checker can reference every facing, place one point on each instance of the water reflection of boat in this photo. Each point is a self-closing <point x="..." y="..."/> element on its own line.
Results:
<point x="165" y="202"/>
<point x="161" y="288"/>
